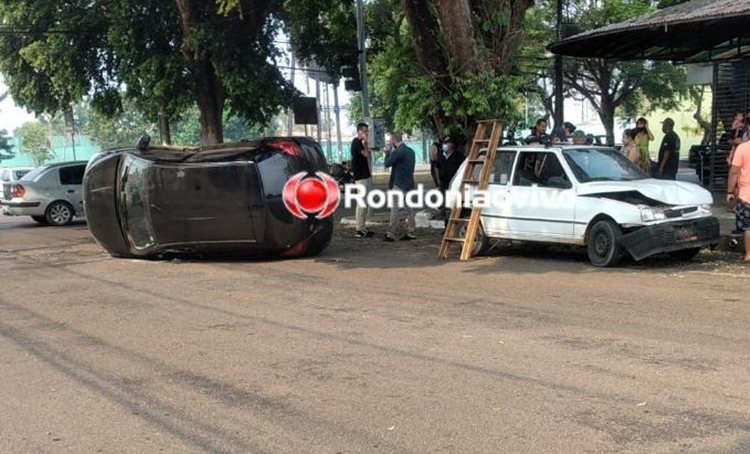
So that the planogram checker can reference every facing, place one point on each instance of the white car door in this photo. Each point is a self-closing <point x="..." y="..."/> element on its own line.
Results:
<point x="497" y="192"/>
<point x="540" y="205"/>
<point x="71" y="184"/>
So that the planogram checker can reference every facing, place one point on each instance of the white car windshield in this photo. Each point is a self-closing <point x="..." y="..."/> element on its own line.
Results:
<point x="601" y="164"/>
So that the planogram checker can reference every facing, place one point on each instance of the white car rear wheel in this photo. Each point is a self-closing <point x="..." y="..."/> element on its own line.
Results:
<point x="59" y="213"/>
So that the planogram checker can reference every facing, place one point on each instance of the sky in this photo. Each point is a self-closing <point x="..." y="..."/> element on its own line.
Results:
<point x="12" y="116"/>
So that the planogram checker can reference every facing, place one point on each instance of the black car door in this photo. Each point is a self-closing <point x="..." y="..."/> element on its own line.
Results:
<point x="206" y="203"/>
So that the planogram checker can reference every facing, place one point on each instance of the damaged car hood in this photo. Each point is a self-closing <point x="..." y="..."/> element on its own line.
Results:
<point x="664" y="191"/>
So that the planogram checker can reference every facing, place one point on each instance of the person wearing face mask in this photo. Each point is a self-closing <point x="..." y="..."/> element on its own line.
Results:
<point x="449" y="160"/>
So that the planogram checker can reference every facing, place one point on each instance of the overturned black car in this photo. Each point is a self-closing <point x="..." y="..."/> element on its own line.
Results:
<point x="155" y="201"/>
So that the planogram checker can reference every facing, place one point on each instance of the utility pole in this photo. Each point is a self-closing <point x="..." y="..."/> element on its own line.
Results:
<point x="559" y="113"/>
<point x="362" y="58"/>
<point x="337" y="111"/>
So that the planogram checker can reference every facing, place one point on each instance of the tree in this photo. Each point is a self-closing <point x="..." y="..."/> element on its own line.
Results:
<point x="441" y="65"/>
<point x="169" y="55"/>
<point x="35" y="141"/>
<point x="634" y="87"/>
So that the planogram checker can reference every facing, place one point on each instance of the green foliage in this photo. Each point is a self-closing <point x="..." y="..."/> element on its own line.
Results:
<point x="67" y="51"/>
<point x="411" y="97"/>
<point x="35" y="141"/>
<point x="186" y="131"/>
<point x="632" y="88"/>
<point x="6" y="148"/>
<point x="124" y="129"/>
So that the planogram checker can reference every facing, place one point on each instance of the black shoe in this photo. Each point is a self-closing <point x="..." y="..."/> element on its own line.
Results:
<point x="362" y="234"/>
<point x="408" y="237"/>
<point x="389" y="239"/>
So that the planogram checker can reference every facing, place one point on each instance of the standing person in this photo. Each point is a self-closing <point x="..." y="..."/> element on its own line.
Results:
<point x="643" y="137"/>
<point x="539" y="133"/>
<point x="434" y="167"/>
<point x="736" y="136"/>
<point x="401" y="159"/>
<point x="738" y="192"/>
<point x="449" y="161"/>
<point x="360" y="152"/>
<point x="629" y="148"/>
<point x="669" y="153"/>
<point x="569" y="129"/>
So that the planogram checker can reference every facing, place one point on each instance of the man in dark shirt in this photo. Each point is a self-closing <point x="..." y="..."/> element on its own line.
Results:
<point x="449" y="160"/>
<point x="401" y="161"/>
<point x="669" y="152"/>
<point x="361" y="169"/>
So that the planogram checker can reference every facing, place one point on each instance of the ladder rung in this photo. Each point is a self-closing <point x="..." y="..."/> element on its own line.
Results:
<point x="481" y="140"/>
<point x="475" y="161"/>
<point x="458" y="220"/>
<point x="471" y="181"/>
<point x="455" y="240"/>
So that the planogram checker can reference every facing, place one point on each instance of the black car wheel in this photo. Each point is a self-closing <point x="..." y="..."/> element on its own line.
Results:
<point x="604" y="244"/>
<point x="59" y="213"/>
<point x="481" y="242"/>
<point x="685" y="254"/>
<point x="40" y="219"/>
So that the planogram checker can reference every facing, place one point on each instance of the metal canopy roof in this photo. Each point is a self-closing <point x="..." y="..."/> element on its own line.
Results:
<point x="692" y="32"/>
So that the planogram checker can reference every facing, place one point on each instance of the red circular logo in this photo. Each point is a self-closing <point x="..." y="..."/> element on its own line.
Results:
<point x="306" y="195"/>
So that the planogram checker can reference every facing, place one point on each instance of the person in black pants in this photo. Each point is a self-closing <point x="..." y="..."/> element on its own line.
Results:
<point x="449" y="160"/>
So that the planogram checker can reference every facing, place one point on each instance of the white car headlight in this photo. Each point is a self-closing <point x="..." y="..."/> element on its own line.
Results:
<point x="652" y="214"/>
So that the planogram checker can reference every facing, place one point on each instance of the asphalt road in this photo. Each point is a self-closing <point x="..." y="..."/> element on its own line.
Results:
<point x="372" y="347"/>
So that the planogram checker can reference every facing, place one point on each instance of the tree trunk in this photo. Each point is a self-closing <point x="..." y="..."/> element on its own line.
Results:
<point x="607" y="116"/>
<point x="165" y="133"/>
<point x="455" y="17"/>
<point x="209" y="92"/>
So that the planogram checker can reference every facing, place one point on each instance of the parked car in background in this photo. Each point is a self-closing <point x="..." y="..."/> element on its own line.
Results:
<point x="593" y="197"/>
<point x="11" y="174"/>
<point x="50" y="194"/>
<point x="147" y="202"/>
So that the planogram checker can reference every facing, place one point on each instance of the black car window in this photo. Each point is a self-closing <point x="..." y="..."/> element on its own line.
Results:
<point x="540" y="169"/>
<point x="72" y="175"/>
<point x="503" y="166"/>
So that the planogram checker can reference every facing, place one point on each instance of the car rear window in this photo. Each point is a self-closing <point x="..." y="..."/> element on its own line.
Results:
<point x="34" y="174"/>
<point x="18" y="174"/>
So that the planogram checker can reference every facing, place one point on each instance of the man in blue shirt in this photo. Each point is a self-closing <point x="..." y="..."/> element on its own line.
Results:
<point x="401" y="161"/>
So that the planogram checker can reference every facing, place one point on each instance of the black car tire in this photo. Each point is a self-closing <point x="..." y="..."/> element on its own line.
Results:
<point x="481" y="242"/>
<point x="40" y="219"/>
<point x="320" y="241"/>
<point x="59" y="213"/>
<point x="604" y="249"/>
<point x="685" y="255"/>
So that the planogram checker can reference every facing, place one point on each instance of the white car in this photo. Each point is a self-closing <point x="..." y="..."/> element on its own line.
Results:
<point x="50" y="194"/>
<point x="594" y="197"/>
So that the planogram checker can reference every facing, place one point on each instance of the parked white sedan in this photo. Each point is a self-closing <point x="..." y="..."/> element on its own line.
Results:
<point x="50" y="194"/>
<point x="594" y="197"/>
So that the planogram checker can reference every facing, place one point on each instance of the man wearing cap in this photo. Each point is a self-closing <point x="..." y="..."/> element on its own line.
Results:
<point x="669" y="153"/>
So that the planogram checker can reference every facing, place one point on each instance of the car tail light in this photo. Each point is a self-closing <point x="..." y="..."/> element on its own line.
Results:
<point x="289" y="147"/>
<point x="18" y="191"/>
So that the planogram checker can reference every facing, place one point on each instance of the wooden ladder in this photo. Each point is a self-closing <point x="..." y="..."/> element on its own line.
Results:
<point x="456" y="221"/>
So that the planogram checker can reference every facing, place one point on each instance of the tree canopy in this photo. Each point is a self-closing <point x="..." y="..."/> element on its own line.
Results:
<point x="169" y="55"/>
<point x="633" y="87"/>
